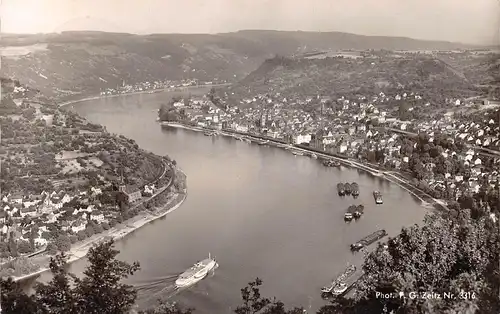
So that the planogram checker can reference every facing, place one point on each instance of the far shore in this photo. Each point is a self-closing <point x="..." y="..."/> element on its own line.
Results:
<point x="118" y="232"/>
<point x="150" y="91"/>
<point x="387" y="175"/>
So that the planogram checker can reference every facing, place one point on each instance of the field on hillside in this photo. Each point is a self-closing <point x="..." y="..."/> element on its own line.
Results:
<point x="85" y="63"/>
<point x="365" y="76"/>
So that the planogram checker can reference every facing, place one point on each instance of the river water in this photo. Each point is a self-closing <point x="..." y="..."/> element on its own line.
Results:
<point x="261" y="211"/>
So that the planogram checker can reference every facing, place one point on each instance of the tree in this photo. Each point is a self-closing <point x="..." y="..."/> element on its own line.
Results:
<point x="444" y="255"/>
<point x="105" y="226"/>
<point x="165" y="308"/>
<point x="52" y="248"/>
<point x="73" y="238"/>
<point x="63" y="243"/>
<point x="82" y="235"/>
<point x="254" y="303"/>
<point x="98" y="229"/>
<point x="24" y="247"/>
<point x="89" y="231"/>
<point x="100" y="291"/>
<point x="14" y="300"/>
<point x="57" y="296"/>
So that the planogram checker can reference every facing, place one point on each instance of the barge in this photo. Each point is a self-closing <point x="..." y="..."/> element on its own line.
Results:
<point x="355" y="189"/>
<point x="370" y="239"/>
<point x="378" y="197"/>
<point x="341" y="189"/>
<point x="339" y="282"/>
<point x="350" y="213"/>
<point x="358" y="211"/>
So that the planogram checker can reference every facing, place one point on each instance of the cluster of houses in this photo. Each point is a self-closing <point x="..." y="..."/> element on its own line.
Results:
<point x="49" y="207"/>
<point x="150" y="86"/>
<point x="345" y="129"/>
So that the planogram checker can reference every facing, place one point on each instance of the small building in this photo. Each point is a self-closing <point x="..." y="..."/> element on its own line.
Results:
<point x="133" y="194"/>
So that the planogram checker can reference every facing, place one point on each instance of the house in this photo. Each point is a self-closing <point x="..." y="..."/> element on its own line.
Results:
<point x="3" y="216"/>
<point x="39" y="241"/>
<point x="78" y="225"/>
<point x="302" y="138"/>
<point x="133" y="194"/>
<point x="29" y="211"/>
<point x="97" y="216"/>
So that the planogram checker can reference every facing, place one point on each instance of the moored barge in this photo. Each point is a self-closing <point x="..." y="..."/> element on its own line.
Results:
<point x="348" y="189"/>
<point x="350" y="213"/>
<point x="377" y="235"/>
<point x="355" y="189"/>
<point x="358" y="211"/>
<point x="378" y="197"/>
<point x="341" y="189"/>
<point x="337" y="283"/>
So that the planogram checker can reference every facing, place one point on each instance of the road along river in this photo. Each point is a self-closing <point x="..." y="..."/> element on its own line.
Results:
<point x="261" y="211"/>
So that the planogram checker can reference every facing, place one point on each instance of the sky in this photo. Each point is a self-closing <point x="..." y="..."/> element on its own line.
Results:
<point x="468" y="21"/>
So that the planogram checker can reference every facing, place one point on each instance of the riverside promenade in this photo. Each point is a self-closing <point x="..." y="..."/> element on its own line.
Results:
<point x="391" y="176"/>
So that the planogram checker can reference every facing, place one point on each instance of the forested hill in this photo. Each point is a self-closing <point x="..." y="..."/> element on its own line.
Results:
<point x="341" y="76"/>
<point x="87" y="62"/>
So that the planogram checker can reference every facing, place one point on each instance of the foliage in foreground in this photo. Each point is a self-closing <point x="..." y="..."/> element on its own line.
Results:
<point x="457" y="255"/>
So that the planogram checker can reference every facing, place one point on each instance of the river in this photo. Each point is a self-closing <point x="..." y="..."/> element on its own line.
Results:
<point x="261" y="211"/>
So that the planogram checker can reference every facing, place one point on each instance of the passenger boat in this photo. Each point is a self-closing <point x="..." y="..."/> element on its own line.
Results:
<point x="355" y="189"/>
<point x="196" y="273"/>
<point x="358" y="211"/>
<point x="341" y="189"/>
<point x="297" y="153"/>
<point x="350" y="213"/>
<point x="377" y="235"/>
<point x="346" y="274"/>
<point x="348" y="188"/>
<point x="378" y="197"/>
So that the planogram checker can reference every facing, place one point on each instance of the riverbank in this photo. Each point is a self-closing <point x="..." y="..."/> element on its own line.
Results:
<point x="151" y="91"/>
<point x="119" y="232"/>
<point x="426" y="199"/>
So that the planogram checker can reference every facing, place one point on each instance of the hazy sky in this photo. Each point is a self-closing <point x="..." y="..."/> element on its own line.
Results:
<point x="473" y="21"/>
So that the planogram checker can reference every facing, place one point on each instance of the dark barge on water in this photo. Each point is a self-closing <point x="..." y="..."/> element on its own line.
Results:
<point x="372" y="238"/>
<point x="348" y="189"/>
<point x="341" y="189"/>
<point x="378" y="197"/>
<point x="350" y="213"/>
<point x="358" y="211"/>
<point x="355" y="189"/>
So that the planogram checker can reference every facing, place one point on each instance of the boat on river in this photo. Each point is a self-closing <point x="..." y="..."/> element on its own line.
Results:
<point x="331" y="163"/>
<point x="336" y="284"/>
<point x="378" y="197"/>
<point x="358" y="211"/>
<point x="355" y="189"/>
<point x="348" y="188"/>
<point x="377" y="235"/>
<point x="297" y="153"/>
<point x="350" y="213"/>
<point x="196" y="273"/>
<point x="341" y="189"/>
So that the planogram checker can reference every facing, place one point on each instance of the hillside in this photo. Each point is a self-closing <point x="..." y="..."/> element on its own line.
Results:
<point x="341" y="76"/>
<point x="45" y="148"/>
<point x="86" y="62"/>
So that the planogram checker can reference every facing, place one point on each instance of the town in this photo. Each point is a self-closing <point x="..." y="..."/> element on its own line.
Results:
<point x="65" y="180"/>
<point x="453" y="156"/>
